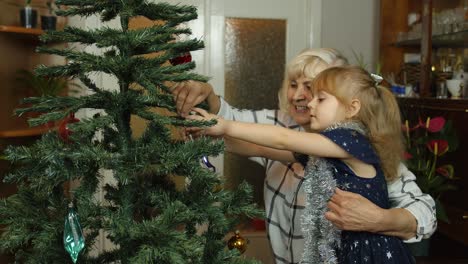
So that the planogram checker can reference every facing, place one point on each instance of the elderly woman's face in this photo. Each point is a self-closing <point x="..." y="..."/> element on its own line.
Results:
<point x="299" y="95"/>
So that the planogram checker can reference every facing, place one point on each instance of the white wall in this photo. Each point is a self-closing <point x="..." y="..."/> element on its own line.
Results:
<point x="349" y="25"/>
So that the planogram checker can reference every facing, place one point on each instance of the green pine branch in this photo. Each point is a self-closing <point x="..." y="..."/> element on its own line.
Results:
<point x="144" y="213"/>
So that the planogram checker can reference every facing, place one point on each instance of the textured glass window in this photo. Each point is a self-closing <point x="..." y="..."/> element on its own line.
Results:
<point x="254" y="67"/>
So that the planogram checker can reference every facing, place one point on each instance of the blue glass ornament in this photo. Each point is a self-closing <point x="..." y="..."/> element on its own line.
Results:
<point x="208" y="164"/>
<point x="73" y="238"/>
<point x="205" y="161"/>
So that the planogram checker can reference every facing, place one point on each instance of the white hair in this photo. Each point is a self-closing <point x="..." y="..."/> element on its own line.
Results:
<point x="308" y="63"/>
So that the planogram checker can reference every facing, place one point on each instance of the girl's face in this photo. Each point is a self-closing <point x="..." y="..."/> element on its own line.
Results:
<point x="299" y="95"/>
<point x="325" y="110"/>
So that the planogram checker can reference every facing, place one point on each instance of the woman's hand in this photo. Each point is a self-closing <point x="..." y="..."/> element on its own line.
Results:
<point x="202" y="115"/>
<point x="352" y="212"/>
<point x="190" y="93"/>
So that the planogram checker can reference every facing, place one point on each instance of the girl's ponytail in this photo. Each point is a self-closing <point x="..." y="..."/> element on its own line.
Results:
<point x="385" y="132"/>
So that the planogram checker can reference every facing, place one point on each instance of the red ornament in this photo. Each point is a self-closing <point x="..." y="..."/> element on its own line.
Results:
<point x="184" y="58"/>
<point x="258" y="224"/>
<point x="64" y="131"/>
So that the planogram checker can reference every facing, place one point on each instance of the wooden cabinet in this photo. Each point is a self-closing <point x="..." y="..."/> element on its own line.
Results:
<point x="452" y="239"/>
<point x="18" y="51"/>
<point x="17" y="47"/>
<point x="398" y="38"/>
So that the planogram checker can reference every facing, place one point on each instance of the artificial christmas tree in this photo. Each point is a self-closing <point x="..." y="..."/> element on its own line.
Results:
<point x="147" y="217"/>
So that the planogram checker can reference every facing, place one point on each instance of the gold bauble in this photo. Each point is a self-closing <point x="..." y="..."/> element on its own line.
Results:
<point x="238" y="242"/>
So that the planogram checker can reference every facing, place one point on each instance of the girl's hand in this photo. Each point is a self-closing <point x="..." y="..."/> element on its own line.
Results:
<point x="202" y="115"/>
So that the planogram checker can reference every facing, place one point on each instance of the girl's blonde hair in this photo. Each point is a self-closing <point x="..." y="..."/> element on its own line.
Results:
<point x="379" y="111"/>
<point x="308" y="63"/>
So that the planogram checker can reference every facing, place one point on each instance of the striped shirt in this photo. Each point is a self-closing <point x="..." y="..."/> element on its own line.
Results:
<point x="284" y="196"/>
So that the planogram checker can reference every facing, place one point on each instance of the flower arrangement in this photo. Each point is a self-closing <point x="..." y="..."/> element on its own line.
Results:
<point x="425" y="144"/>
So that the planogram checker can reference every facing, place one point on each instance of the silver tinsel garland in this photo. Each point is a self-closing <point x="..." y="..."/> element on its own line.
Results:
<point x="320" y="235"/>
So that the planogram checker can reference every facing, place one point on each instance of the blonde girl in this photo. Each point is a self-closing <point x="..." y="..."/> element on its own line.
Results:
<point x="359" y="144"/>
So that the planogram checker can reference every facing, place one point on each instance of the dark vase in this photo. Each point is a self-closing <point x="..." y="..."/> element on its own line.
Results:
<point x="28" y="17"/>
<point x="48" y="22"/>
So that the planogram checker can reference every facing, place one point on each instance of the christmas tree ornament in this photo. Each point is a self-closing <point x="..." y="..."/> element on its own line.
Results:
<point x="63" y="130"/>
<point x="238" y="242"/>
<point x="184" y="58"/>
<point x="321" y="237"/>
<point x="205" y="161"/>
<point x="208" y="164"/>
<point x="73" y="238"/>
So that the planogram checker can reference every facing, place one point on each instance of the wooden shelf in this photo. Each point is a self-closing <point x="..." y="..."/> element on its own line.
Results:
<point x="458" y="105"/>
<point x="21" y="30"/>
<point x="454" y="40"/>
<point x="27" y="132"/>
<point x="25" y="35"/>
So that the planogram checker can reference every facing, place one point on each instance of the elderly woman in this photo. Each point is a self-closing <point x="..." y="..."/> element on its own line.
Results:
<point x="412" y="216"/>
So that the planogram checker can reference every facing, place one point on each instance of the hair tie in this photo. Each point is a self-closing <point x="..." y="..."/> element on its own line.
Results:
<point x="377" y="80"/>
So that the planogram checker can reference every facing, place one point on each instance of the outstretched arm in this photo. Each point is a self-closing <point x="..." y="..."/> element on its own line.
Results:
<point x="281" y="138"/>
<point x="253" y="150"/>
<point x="348" y="211"/>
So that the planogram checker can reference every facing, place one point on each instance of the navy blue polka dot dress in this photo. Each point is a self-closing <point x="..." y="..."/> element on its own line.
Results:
<point x="364" y="247"/>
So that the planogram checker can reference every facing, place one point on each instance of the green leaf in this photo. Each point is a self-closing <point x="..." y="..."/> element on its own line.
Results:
<point x="360" y="59"/>
<point x="441" y="214"/>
